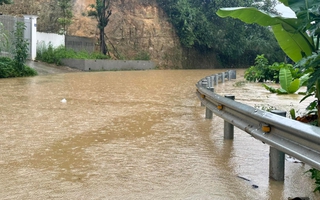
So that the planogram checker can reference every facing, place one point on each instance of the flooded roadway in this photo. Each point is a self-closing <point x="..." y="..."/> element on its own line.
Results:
<point x="133" y="135"/>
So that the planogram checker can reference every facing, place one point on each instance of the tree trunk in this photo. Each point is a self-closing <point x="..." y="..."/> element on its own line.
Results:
<point x="103" y="48"/>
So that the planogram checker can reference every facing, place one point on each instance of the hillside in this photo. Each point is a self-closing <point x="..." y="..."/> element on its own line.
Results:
<point x="135" y="26"/>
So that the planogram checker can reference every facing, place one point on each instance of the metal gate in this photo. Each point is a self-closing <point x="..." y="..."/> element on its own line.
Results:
<point x="7" y="28"/>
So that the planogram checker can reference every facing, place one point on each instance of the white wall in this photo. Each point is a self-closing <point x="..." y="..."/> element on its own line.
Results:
<point x="55" y="39"/>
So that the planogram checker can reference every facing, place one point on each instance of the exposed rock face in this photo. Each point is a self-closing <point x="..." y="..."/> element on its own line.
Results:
<point x="135" y="26"/>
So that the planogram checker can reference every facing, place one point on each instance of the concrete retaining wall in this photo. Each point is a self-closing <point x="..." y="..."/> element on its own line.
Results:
<point x="107" y="65"/>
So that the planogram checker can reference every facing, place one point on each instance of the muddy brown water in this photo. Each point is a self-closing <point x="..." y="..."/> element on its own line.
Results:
<point x="133" y="135"/>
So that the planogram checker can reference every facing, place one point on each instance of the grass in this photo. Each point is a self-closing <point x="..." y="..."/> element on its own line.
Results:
<point x="50" y="54"/>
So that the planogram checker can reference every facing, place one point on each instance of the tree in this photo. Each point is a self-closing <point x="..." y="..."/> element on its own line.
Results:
<point x="5" y="2"/>
<point x="21" y="46"/>
<point x="66" y="17"/>
<point x="102" y="12"/>
<point x="234" y="42"/>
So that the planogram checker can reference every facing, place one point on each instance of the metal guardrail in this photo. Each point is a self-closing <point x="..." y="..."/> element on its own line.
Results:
<point x="299" y="140"/>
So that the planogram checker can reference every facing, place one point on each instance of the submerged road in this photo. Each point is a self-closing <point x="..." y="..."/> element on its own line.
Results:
<point x="44" y="68"/>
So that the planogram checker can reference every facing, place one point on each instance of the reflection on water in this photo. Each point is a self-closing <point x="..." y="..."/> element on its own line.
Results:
<point x="132" y="135"/>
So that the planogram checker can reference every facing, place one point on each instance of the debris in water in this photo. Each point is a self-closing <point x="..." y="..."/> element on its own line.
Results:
<point x="63" y="100"/>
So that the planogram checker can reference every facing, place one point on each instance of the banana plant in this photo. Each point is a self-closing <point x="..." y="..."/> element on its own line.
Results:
<point x="298" y="37"/>
<point x="288" y="85"/>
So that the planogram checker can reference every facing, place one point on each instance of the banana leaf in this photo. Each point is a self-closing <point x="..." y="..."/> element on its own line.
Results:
<point x="294" y="86"/>
<point x="318" y="89"/>
<point x="304" y="79"/>
<point x="282" y="91"/>
<point x="294" y="42"/>
<point x="269" y="88"/>
<point x="285" y="78"/>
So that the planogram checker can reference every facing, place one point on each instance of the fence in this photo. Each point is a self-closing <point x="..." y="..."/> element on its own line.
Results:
<point x="80" y="43"/>
<point x="7" y="30"/>
<point x="284" y="135"/>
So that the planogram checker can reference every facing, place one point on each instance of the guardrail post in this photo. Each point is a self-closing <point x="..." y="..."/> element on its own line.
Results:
<point x="222" y="77"/>
<point x="209" y="83"/>
<point x="276" y="157"/>
<point x="204" y="84"/>
<point x="208" y="113"/>
<point x="232" y="74"/>
<point x="229" y="75"/>
<point x="216" y="79"/>
<point x="212" y="79"/>
<point x="228" y="128"/>
<point x="209" y="87"/>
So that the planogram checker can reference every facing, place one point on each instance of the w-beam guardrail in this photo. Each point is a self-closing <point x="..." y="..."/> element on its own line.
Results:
<point x="284" y="135"/>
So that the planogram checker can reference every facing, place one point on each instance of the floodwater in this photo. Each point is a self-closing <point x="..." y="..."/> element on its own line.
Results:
<point x="133" y="135"/>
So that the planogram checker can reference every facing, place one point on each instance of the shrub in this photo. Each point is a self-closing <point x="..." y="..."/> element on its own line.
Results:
<point x="8" y="69"/>
<point x="262" y="71"/>
<point x="17" y="67"/>
<point x="142" y="55"/>
<point x="315" y="174"/>
<point x="50" y="54"/>
<point x="21" y="46"/>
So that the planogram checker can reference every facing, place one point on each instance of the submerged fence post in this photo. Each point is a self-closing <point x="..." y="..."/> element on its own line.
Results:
<point x="228" y="128"/>
<point x="276" y="157"/>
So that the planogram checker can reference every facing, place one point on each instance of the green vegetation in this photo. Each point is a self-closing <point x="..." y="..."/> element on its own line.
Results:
<point x="234" y="42"/>
<point x="299" y="38"/>
<point x="5" y="2"/>
<point x="21" y="46"/>
<point x="9" y="69"/>
<point x="262" y="71"/>
<point x="315" y="174"/>
<point x="50" y="54"/>
<point x="101" y="12"/>
<point x="142" y="55"/>
<point x="66" y="15"/>
<point x="290" y="78"/>
<point x="15" y="67"/>
<point x="287" y="83"/>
